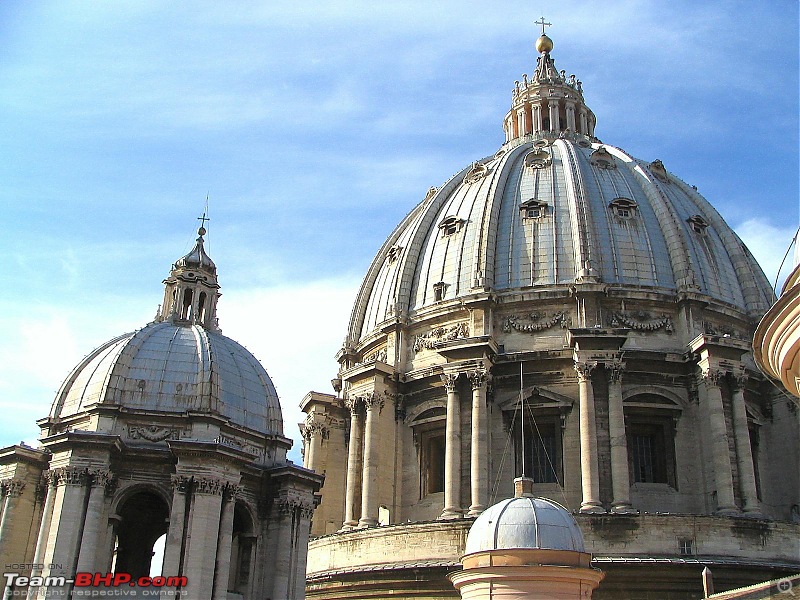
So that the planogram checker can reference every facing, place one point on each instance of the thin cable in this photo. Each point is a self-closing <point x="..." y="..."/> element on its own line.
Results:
<point x="522" y="417"/>
<point x="550" y="462"/>
<point x="496" y="487"/>
<point x="794" y="239"/>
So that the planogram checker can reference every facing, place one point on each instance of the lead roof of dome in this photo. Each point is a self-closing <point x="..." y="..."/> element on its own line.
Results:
<point x="472" y="234"/>
<point x="525" y="523"/>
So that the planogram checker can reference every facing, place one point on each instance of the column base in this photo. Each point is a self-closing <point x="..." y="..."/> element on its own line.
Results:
<point x="753" y="513"/>
<point x="592" y="509"/>
<point x="349" y="526"/>
<point x="624" y="509"/>
<point x="474" y="511"/>
<point x="728" y="511"/>
<point x="450" y="513"/>
<point x="362" y="523"/>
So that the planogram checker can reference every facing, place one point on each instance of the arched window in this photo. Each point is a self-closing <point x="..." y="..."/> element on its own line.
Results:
<point x="186" y="308"/>
<point x="243" y="547"/>
<point x="143" y="520"/>
<point x="201" y="307"/>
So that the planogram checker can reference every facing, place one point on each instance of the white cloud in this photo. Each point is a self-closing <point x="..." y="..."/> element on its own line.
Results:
<point x="768" y="244"/>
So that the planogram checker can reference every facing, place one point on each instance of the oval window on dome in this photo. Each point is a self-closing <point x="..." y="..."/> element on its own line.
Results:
<point x="537" y="159"/>
<point x="698" y="224"/>
<point x="602" y="158"/>
<point x="451" y="225"/>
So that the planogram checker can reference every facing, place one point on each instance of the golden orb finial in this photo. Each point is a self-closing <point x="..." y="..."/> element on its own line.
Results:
<point x="544" y="44"/>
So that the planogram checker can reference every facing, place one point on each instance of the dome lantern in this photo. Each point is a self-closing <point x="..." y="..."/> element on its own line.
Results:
<point x="191" y="291"/>
<point x="550" y="104"/>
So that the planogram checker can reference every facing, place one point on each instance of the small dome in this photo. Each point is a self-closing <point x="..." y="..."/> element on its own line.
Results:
<point x="174" y="369"/>
<point x="525" y="523"/>
<point x="197" y="258"/>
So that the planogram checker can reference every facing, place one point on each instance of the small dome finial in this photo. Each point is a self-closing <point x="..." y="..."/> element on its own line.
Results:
<point x="544" y="44"/>
<point x="202" y="230"/>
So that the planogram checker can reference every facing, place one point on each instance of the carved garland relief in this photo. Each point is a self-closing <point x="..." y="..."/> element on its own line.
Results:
<point x="642" y="321"/>
<point x="440" y="335"/>
<point x="535" y="322"/>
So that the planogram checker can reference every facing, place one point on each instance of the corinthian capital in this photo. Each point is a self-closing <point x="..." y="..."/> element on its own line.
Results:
<point x="584" y="369"/>
<point x="712" y="377"/>
<point x="449" y="380"/>
<point x="614" y="370"/>
<point x="478" y="377"/>
<point x="12" y="487"/>
<point x="373" y="400"/>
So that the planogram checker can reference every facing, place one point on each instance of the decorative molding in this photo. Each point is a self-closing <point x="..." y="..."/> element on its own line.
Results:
<point x="12" y="487"/>
<point x="615" y="369"/>
<point x="476" y="172"/>
<point x="181" y="484"/>
<point x="313" y="425"/>
<point x="640" y="320"/>
<point x="741" y="378"/>
<point x="478" y="378"/>
<point x="712" y="377"/>
<point x="535" y="322"/>
<point x="289" y="502"/>
<point x="584" y="370"/>
<point x="69" y="476"/>
<point x="230" y="491"/>
<point x="378" y="355"/>
<point x="399" y="407"/>
<point x="439" y="335"/>
<point x="210" y="486"/>
<point x="231" y="442"/>
<point x="449" y="380"/>
<point x="100" y="478"/>
<point x="154" y="433"/>
<point x="373" y="400"/>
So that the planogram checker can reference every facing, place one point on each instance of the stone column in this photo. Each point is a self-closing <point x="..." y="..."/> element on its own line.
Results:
<point x="60" y="550"/>
<point x="373" y="403"/>
<point x="536" y="111"/>
<point x="353" y="463"/>
<point x="584" y="126"/>
<point x="201" y="548"/>
<point x="44" y="530"/>
<point x="293" y="514"/>
<point x="620" y="477"/>
<point x="718" y="437"/>
<point x="571" y="117"/>
<point x="452" y="451"/>
<point x="744" y="452"/>
<point x="12" y="490"/>
<point x="94" y="522"/>
<point x="314" y="432"/>
<point x="522" y="121"/>
<point x="555" y="124"/>
<point x="222" y="565"/>
<point x="174" y="547"/>
<point x="590" y="476"/>
<point x="479" y="460"/>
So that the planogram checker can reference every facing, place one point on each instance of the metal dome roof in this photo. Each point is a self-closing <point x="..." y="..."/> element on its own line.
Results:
<point x="550" y="211"/>
<point x="525" y="523"/>
<point x="169" y="368"/>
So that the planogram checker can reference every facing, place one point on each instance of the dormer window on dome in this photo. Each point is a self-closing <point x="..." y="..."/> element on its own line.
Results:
<point x="602" y="158"/>
<point x="533" y="209"/>
<point x="477" y="172"/>
<point x="451" y="225"/>
<point x="698" y="224"/>
<point x="439" y="290"/>
<point x="624" y="208"/>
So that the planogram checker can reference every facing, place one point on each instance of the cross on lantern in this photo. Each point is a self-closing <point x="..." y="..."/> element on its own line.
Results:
<point x="543" y="23"/>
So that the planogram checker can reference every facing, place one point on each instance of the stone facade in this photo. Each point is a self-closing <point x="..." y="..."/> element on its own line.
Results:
<point x="564" y="311"/>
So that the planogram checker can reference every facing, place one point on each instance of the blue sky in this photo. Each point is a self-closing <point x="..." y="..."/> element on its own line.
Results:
<point x="314" y="127"/>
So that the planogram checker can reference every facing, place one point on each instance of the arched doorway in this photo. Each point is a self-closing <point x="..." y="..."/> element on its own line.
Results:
<point x="143" y="520"/>
<point x="243" y="546"/>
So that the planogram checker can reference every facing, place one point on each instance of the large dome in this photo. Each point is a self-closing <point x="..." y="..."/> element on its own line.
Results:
<point x="554" y="207"/>
<point x="168" y="368"/>
<point x="547" y="213"/>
